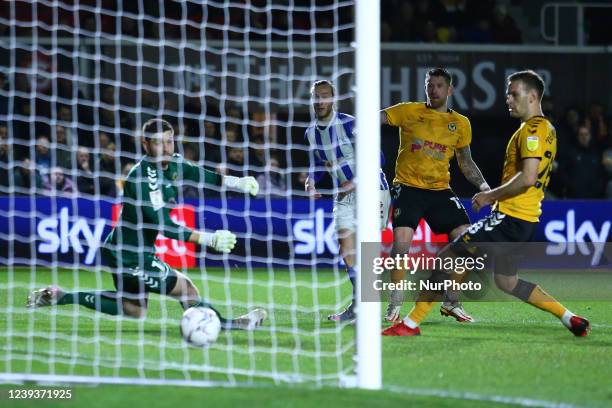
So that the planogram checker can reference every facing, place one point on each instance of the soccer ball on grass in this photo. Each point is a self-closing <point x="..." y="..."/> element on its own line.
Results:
<point x="200" y="326"/>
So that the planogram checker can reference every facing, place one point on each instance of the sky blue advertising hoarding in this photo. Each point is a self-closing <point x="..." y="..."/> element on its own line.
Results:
<point x="273" y="231"/>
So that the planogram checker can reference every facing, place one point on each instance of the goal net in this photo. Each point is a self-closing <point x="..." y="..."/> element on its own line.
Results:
<point x="78" y="80"/>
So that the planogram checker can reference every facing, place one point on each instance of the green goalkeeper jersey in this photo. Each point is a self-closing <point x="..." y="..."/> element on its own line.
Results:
<point x="148" y="196"/>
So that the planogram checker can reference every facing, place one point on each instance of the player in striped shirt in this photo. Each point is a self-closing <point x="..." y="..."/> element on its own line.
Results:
<point x="331" y="138"/>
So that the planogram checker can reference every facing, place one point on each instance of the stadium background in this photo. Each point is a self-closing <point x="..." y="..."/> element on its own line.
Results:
<point x="54" y="102"/>
<point x="92" y="102"/>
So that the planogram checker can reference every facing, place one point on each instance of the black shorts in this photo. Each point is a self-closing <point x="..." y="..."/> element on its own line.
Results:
<point x="152" y="275"/>
<point x="496" y="228"/>
<point x="441" y="209"/>
<point x="500" y="227"/>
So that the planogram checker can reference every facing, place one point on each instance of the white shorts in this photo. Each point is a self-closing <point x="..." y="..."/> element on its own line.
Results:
<point x="345" y="211"/>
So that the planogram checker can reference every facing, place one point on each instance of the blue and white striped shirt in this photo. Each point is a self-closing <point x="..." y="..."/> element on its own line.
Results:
<point x="332" y="148"/>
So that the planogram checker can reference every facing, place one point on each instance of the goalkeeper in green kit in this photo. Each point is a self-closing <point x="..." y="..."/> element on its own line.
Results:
<point x="150" y="189"/>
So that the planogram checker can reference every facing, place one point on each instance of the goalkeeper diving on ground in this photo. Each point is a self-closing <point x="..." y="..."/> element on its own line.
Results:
<point x="150" y="190"/>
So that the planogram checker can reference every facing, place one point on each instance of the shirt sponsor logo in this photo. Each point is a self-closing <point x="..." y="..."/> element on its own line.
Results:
<point x="432" y="149"/>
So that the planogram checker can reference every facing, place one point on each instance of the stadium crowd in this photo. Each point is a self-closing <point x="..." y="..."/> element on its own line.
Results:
<point x="94" y="139"/>
<point x="448" y="21"/>
<point x="70" y="157"/>
<point x="431" y="21"/>
<point x="476" y="21"/>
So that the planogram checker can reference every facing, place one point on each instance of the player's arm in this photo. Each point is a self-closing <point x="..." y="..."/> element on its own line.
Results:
<point x="310" y="187"/>
<point x="156" y="212"/>
<point x="469" y="168"/>
<point x="314" y="175"/>
<point x="199" y="174"/>
<point x="520" y="183"/>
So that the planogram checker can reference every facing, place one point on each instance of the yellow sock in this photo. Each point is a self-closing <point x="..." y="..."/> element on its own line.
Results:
<point x="544" y="301"/>
<point x="420" y="311"/>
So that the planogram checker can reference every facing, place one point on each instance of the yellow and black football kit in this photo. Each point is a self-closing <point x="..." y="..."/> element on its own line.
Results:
<point x="428" y="140"/>
<point x="514" y="219"/>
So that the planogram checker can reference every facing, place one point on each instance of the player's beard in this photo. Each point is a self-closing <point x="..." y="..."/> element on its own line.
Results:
<point x="325" y="113"/>
<point x="161" y="161"/>
<point x="436" y="103"/>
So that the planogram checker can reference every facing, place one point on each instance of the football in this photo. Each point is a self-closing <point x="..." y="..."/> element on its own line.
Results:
<point x="200" y="326"/>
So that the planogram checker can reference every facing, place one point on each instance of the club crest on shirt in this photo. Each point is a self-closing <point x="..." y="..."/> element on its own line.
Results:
<point x="532" y="143"/>
<point x="452" y="126"/>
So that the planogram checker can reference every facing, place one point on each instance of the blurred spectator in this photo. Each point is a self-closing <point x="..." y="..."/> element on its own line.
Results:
<point x="43" y="154"/>
<point x="104" y="140"/>
<point x="235" y="161"/>
<point x="150" y="104"/>
<point x="63" y="143"/>
<point x="597" y="122"/>
<point x="479" y="33"/>
<point x="548" y="108"/>
<point x="299" y="182"/>
<point x="113" y="119"/>
<point x="583" y="170"/>
<point x="109" y="166"/>
<point x="57" y="182"/>
<point x="427" y="32"/>
<point x="234" y="166"/>
<point x="193" y="109"/>
<point x="3" y="97"/>
<point x="69" y="92"/>
<point x="212" y="141"/>
<point x="257" y="155"/>
<point x="272" y="181"/>
<point x="64" y="114"/>
<point x="566" y="131"/>
<point x="190" y="151"/>
<point x="607" y="163"/>
<point x="503" y="28"/>
<point x="4" y="157"/>
<point x="85" y="176"/>
<point x="448" y="21"/>
<point x="27" y="177"/>
<point x="129" y="26"/>
<point x="231" y="136"/>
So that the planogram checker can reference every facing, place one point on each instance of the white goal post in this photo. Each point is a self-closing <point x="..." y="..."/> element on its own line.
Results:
<point x="78" y="81"/>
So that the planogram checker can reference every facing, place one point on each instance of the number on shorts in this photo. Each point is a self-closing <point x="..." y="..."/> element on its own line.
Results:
<point x="457" y="202"/>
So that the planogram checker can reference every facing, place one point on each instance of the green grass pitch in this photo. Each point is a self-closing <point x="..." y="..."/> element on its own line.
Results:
<point x="513" y="355"/>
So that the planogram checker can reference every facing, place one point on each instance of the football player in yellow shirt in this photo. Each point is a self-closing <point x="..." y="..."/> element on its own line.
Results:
<point x="430" y="135"/>
<point x="516" y="207"/>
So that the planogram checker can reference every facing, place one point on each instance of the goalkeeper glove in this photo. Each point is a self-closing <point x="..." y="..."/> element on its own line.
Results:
<point x="221" y="240"/>
<point x="245" y="184"/>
